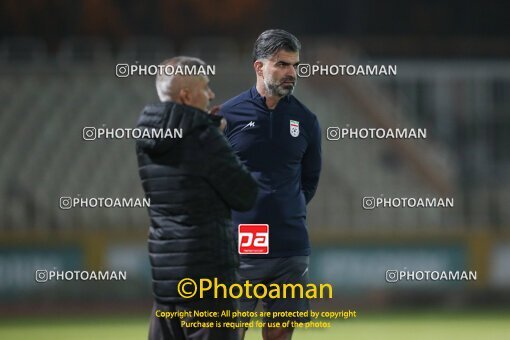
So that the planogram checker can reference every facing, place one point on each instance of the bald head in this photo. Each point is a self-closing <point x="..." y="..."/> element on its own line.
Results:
<point x="184" y="89"/>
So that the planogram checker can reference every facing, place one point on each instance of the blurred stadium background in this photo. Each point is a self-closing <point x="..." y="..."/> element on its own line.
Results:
<point x="57" y="65"/>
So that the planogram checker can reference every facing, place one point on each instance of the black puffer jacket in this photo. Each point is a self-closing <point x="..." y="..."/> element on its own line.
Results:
<point x="192" y="183"/>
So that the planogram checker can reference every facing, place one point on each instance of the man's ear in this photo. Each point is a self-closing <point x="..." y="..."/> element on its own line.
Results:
<point x="258" y="65"/>
<point x="185" y="96"/>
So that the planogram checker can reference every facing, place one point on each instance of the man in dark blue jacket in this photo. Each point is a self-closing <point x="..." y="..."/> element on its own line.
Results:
<point x="279" y="141"/>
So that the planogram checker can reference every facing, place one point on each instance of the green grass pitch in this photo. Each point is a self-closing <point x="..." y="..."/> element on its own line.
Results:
<point x="403" y="325"/>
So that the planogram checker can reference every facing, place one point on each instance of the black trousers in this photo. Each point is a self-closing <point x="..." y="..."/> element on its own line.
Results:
<point x="171" y="329"/>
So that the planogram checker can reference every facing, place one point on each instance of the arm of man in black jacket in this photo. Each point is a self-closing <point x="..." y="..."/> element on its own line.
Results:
<point x="226" y="174"/>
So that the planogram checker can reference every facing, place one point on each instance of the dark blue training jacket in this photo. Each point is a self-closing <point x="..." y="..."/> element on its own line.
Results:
<point x="282" y="150"/>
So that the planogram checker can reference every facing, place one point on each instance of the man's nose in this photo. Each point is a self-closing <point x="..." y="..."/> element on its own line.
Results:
<point x="211" y="95"/>
<point x="292" y="72"/>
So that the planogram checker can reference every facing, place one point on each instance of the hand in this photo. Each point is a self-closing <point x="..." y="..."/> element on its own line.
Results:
<point x="223" y="125"/>
<point x="213" y="112"/>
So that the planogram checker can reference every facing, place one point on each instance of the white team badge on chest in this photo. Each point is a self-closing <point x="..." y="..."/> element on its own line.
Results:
<point x="294" y="128"/>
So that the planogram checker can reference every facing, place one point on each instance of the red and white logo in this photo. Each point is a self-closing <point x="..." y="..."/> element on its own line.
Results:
<point x="253" y="238"/>
<point x="294" y="128"/>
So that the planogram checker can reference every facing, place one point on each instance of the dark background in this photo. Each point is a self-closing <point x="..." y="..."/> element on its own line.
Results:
<point x="430" y="24"/>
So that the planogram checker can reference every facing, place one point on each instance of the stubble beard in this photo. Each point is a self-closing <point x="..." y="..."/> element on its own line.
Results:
<point x="274" y="89"/>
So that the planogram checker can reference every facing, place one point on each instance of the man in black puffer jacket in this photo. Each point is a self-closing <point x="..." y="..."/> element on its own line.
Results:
<point x="193" y="180"/>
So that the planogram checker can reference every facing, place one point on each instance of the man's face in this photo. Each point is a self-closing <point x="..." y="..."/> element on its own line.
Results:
<point x="279" y="73"/>
<point x="200" y="94"/>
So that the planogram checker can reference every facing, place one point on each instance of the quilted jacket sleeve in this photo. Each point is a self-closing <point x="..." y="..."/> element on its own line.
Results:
<point x="227" y="175"/>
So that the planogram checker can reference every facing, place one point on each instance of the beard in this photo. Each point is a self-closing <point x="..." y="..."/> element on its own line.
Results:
<point x="279" y="88"/>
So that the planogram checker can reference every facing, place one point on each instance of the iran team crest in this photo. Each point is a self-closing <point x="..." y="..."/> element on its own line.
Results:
<point x="294" y="128"/>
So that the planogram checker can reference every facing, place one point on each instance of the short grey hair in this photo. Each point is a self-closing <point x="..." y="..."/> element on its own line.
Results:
<point x="167" y="85"/>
